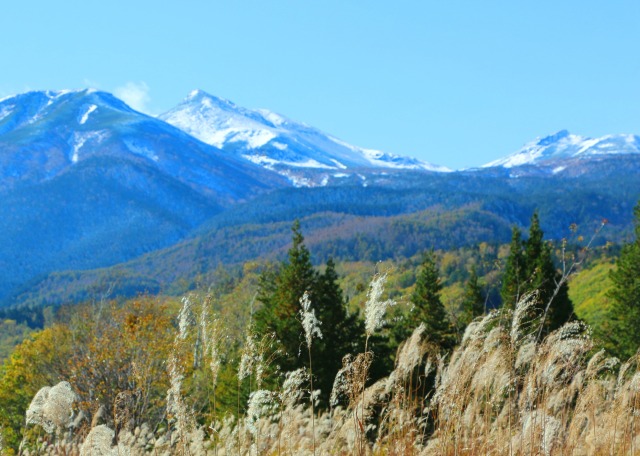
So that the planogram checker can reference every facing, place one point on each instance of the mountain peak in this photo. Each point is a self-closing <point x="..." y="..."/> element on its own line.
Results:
<point x="547" y="140"/>
<point x="274" y="141"/>
<point x="201" y="97"/>
<point x="563" y="145"/>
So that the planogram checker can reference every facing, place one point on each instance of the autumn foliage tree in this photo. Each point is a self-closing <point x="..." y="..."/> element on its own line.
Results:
<point x="107" y="352"/>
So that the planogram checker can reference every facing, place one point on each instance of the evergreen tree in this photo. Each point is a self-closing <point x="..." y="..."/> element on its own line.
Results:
<point x="626" y="295"/>
<point x="280" y="293"/>
<point x="554" y="298"/>
<point x="533" y="246"/>
<point x="473" y="300"/>
<point x="342" y="331"/>
<point x="427" y="307"/>
<point x="514" y="272"/>
<point x="530" y="267"/>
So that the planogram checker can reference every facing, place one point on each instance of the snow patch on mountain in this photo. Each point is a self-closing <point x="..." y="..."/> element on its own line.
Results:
<point x="86" y="114"/>
<point x="139" y="148"/>
<point x="564" y="145"/>
<point x="338" y="164"/>
<point x="271" y="163"/>
<point x="79" y="139"/>
<point x="6" y="111"/>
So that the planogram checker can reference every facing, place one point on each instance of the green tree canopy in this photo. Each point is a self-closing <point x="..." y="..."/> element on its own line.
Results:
<point x="427" y="307"/>
<point x="626" y="295"/>
<point x="530" y="267"/>
<point x="473" y="300"/>
<point x="513" y="279"/>
<point x="280" y="294"/>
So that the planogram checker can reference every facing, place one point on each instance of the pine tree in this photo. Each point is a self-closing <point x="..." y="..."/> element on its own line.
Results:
<point x="427" y="307"/>
<point x="342" y="331"/>
<point x="513" y="279"/>
<point x="473" y="300"/>
<point x="626" y="295"/>
<point x="280" y="294"/>
<point x="530" y="267"/>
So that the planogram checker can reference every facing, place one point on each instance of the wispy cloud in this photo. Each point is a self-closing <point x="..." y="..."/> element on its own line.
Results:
<point x="135" y="94"/>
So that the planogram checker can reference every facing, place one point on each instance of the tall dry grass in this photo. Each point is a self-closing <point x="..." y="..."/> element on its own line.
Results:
<point x="500" y="392"/>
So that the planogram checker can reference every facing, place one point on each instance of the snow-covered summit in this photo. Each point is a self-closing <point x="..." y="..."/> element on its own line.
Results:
<point x="274" y="141"/>
<point x="564" y="145"/>
<point x="44" y="134"/>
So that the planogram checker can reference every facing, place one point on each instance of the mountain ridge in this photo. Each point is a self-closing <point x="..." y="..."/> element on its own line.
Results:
<point x="564" y="145"/>
<point x="276" y="142"/>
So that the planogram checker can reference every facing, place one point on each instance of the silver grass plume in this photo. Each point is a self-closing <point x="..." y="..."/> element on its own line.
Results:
<point x="98" y="442"/>
<point x="375" y="308"/>
<point x="348" y="380"/>
<point x="248" y="357"/>
<point x="214" y="349"/>
<point x="35" y="413"/>
<point x="261" y="403"/>
<point x="52" y="407"/>
<point x="340" y="383"/>
<point x="599" y="363"/>
<point x="257" y="355"/>
<point x="185" y="317"/>
<point x="522" y="317"/>
<point x="175" y="402"/>
<point x="203" y="324"/>
<point x="411" y="352"/>
<point x="291" y="391"/>
<point x="310" y="323"/>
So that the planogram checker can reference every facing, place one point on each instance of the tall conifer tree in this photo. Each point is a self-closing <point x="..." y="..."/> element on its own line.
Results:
<point x="280" y="294"/>
<point x="473" y="301"/>
<point x="530" y="267"/>
<point x="514" y="272"/>
<point x="428" y="308"/>
<point x="626" y="295"/>
<point x="342" y="330"/>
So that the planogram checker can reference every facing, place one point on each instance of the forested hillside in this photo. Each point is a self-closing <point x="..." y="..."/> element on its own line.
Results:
<point x="401" y="215"/>
<point x="234" y="361"/>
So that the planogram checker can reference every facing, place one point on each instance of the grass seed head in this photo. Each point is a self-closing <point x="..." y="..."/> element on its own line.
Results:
<point x="375" y="308"/>
<point x="310" y="323"/>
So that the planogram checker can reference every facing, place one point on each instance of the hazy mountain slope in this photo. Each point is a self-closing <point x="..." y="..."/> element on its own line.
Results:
<point x="418" y="212"/>
<point x="85" y="181"/>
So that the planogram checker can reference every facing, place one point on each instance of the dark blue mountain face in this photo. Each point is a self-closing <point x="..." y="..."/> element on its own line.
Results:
<point x="43" y="134"/>
<point x="85" y="182"/>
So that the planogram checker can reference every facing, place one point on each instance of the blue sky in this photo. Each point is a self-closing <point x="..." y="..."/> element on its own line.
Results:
<point x="457" y="83"/>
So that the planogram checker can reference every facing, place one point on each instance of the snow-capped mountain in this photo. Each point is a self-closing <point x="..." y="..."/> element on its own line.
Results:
<point x="563" y="145"/>
<point x="86" y="181"/>
<point x="275" y="142"/>
<point x="44" y="133"/>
